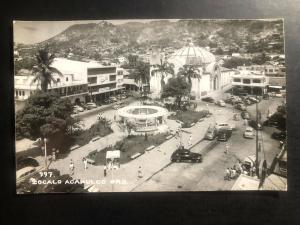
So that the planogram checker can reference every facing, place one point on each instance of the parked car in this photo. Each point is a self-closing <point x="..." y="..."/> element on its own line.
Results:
<point x="245" y="115"/>
<point x="249" y="132"/>
<point x="90" y="105"/>
<point x="208" y="99"/>
<point x="219" y="126"/>
<point x="240" y="106"/>
<point x="253" y="99"/>
<point x="113" y="99"/>
<point x="77" y="109"/>
<point x="224" y="134"/>
<point x="279" y="95"/>
<point x="255" y="125"/>
<point x="220" y="103"/>
<point x="211" y="133"/>
<point x="279" y="135"/>
<point x="185" y="155"/>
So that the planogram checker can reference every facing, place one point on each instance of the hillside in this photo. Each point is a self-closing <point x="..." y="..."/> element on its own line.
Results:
<point x="105" y="40"/>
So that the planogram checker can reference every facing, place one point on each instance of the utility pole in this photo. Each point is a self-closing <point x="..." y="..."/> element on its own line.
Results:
<point x="257" y="145"/>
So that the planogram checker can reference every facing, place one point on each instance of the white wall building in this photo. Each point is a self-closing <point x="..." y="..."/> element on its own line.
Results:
<point x="212" y="77"/>
<point x="81" y="81"/>
<point x="253" y="82"/>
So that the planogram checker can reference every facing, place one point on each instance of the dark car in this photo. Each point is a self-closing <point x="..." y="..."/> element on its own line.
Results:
<point x="185" y="155"/>
<point x="245" y="115"/>
<point x="224" y="134"/>
<point x="211" y="133"/>
<point x="241" y="107"/>
<point x="279" y="135"/>
<point x="255" y="125"/>
<point x="208" y="99"/>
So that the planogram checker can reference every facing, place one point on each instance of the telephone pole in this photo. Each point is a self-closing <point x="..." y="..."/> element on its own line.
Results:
<point x="257" y="145"/>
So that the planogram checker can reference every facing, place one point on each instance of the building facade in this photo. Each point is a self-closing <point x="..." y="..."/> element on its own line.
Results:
<point x="211" y="77"/>
<point x="253" y="82"/>
<point x="81" y="82"/>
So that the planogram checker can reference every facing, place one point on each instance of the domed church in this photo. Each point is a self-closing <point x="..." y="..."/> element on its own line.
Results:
<point x="208" y="76"/>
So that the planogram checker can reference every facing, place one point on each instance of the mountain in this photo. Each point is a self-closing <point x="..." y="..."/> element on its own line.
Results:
<point x="105" y="40"/>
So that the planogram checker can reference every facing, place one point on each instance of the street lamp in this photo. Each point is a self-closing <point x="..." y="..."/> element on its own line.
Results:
<point x="45" y="147"/>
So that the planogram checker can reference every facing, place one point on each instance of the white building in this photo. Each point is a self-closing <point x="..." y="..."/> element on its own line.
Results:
<point x="81" y="81"/>
<point x="212" y="78"/>
<point x="253" y="82"/>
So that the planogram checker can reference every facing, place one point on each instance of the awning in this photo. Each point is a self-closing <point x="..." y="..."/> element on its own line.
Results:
<point x="276" y="87"/>
<point x="115" y="154"/>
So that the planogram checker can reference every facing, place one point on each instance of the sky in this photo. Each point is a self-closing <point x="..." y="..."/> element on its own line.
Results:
<point x="31" y="32"/>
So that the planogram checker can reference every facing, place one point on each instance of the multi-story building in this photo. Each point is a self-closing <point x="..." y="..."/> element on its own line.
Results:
<point x="253" y="82"/>
<point x="81" y="81"/>
<point x="275" y="73"/>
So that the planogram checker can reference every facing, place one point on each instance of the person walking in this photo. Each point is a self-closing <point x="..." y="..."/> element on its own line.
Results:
<point x="71" y="168"/>
<point x="227" y="174"/>
<point x="53" y="154"/>
<point x="190" y="141"/>
<point x="226" y="148"/>
<point x="85" y="163"/>
<point x="140" y="175"/>
<point x="105" y="171"/>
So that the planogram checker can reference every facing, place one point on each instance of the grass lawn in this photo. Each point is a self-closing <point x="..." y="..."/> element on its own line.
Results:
<point x="129" y="146"/>
<point x="100" y="128"/>
<point x="188" y="117"/>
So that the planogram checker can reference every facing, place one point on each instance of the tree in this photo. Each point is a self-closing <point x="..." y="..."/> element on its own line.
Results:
<point x="141" y="74"/>
<point x="45" y="115"/>
<point x="234" y="62"/>
<point x="163" y="68"/>
<point x="177" y="87"/>
<point x="189" y="72"/>
<point x="43" y="71"/>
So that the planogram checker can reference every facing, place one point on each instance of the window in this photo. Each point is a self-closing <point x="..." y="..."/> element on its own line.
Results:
<point x="23" y="93"/>
<point x="67" y="78"/>
<point x="16" y="93"/>
<point x="57" y="80"/>
<point x="112" y="77"/>
<point x="92" y="80"/>
<point x="256" y="81"/>
<point x="120" y="72"/>
<point x="246" y="81"/>
<point x="237" y="80"/>
<point x="103" y="70"/>
<point x="271" y="70"/>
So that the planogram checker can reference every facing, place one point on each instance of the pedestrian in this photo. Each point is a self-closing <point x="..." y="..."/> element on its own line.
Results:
<point x="71" y="167"/>
<point x="85" y="163"/>
<point x="233" y="173"/>
<point x="140" y="175"/>
<point x="115" y="117"/>
<point x="227" y="174"/>
<point x="226" y="148"/>
<point x="253" y="171"/>
<point x="104" y="171"/>
<point x="190" y="141"/>
<point x="53" y="154"/>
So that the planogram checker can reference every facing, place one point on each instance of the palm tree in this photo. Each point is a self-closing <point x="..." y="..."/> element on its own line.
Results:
<point x="43" y="71"/>
<point x="141" y="74"/>
<point x="189" y="72"/>
<point x="164" y="68"/>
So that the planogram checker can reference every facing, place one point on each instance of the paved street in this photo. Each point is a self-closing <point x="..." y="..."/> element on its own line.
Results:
<point x="158" y="173"/>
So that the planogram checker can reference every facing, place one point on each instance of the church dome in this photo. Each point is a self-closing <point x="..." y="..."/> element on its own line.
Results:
<point x="191" y="55"/>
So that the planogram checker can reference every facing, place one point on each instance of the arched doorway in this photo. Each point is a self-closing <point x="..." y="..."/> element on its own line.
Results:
<point x="77" y="101"/>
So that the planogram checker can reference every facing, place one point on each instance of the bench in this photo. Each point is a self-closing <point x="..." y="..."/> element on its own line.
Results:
<point x="90" y="161"/>
<point x="74" y="147"/>
<point x="150" y="148"/>
<point x="95" y="138"/>
<point x="134" y="156"/>
<point x="169" y="137"/>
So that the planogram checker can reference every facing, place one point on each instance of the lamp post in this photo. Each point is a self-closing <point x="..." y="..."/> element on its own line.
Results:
<point x="45" y="147"/>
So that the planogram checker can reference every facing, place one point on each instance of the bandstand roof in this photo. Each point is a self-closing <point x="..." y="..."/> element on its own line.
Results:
<point x="127" y="112"/>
